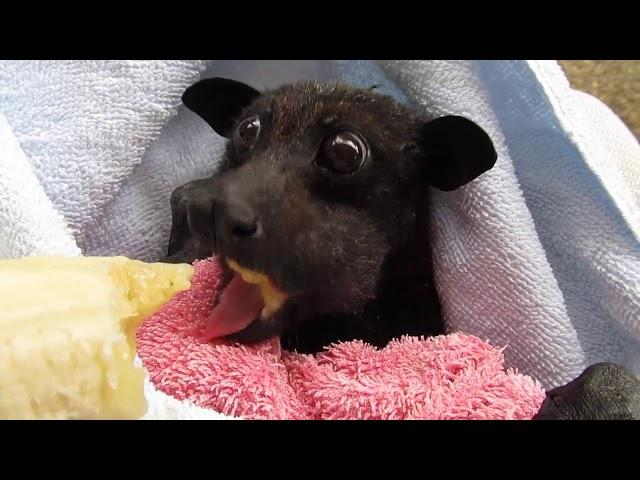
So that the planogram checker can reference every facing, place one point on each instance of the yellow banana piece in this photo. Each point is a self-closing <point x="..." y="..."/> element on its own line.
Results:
<point x="67" y="334"/>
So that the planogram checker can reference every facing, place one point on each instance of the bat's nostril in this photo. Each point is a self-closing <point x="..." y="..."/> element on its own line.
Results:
<point x="241" y="220"/>
<point x="244" y="229"/>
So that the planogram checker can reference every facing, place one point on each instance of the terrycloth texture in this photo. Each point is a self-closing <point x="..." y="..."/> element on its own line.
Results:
<point x="86" y="124"/>
<point x="29" y="224"/>
<point x="585" y="211"/>
<point x="165" y="407"/>
<point x="541" y="254"/>
<point x="448" y="377"/>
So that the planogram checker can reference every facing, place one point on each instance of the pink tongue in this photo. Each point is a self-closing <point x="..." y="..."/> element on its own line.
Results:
<point x="240" y="304"/>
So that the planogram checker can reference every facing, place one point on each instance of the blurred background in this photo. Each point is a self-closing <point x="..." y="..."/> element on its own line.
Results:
<point x="615" y="82"/>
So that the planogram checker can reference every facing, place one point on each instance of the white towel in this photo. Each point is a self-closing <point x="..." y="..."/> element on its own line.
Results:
<point x="85" y="124"/>
<point x="163" y="407"/>
<point x="540" y="254"/>
<point x="29" y="224"/>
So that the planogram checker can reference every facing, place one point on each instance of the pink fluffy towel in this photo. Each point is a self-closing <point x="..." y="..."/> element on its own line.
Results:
<point x="448" y="377"/>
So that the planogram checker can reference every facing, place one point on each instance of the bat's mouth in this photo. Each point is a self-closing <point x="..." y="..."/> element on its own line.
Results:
<point x="248" y="297"/>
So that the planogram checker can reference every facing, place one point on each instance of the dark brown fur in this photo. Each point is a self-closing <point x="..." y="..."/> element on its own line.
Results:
<point x="352" y="250"/>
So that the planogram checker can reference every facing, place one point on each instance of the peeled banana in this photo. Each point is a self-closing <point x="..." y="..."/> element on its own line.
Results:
<point x="67" y="334"/>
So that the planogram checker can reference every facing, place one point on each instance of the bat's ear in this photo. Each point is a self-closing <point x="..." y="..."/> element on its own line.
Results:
<point x="219" y="101"/>
<point x="456" y="150"/>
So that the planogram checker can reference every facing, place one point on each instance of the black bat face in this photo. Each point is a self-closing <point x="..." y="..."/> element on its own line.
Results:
<point x="320" y="185"/>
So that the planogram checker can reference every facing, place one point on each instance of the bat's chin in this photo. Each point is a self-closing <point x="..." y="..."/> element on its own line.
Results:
<point x="195" y="248"/>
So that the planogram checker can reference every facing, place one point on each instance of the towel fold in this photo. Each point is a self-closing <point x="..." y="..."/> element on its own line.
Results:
<point x="84" y="125"/>
<point x="29" y="224"/>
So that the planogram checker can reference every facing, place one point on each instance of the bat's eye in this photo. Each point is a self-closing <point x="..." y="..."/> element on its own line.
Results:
<point x="247" y="132"/>
<point x="342" y="152"/>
